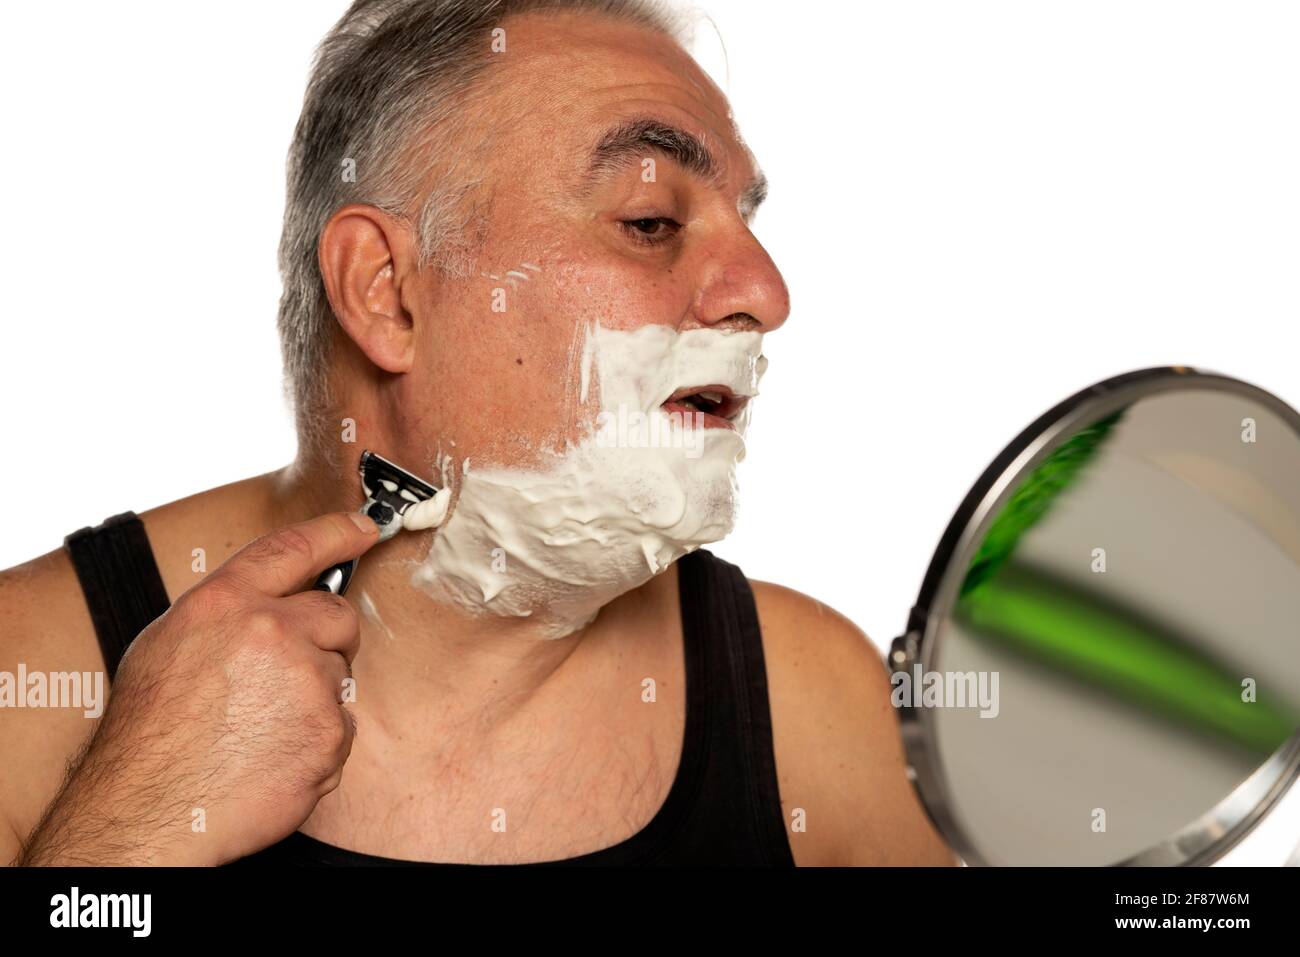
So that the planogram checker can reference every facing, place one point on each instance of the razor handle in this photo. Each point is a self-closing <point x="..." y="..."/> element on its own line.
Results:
<point x="335" y="578"/>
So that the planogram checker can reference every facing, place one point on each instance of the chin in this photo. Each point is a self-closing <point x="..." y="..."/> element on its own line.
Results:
<point x="557" y="544"/>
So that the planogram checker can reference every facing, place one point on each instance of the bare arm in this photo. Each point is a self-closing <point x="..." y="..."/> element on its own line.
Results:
<point x="44" y="628"/>
<point x="124" y="802"/>
<point x="226" y="709"/>
<point x="840" y="761"/>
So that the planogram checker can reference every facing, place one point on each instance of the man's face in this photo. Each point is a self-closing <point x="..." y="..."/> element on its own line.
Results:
<point x="576" y="238"/>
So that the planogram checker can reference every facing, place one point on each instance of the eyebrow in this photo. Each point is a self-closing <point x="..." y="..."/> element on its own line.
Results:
<point x="625" y="145"/>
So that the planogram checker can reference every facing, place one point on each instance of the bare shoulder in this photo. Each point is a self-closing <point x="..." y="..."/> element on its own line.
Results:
<point x="839" y="756"/>
<point x="45" y="630"/>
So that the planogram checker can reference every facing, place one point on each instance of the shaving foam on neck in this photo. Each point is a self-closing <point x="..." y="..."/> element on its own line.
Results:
<point x="557" y="543"/>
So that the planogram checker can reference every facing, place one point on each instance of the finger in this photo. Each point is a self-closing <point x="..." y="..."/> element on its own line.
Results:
<point x="284" y="561"/>
<point x="329" y="621"/>
<point x="338" y="673"/>
<point x="345" y="749"/>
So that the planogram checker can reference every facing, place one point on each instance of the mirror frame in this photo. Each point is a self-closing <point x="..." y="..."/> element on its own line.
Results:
<point x="1221" y="828"/>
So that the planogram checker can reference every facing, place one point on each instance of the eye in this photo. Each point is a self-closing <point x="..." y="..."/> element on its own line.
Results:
<point x="652" y="230"/>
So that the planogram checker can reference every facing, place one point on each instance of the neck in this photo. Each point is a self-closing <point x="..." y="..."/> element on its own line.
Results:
<point x="429" y="660"/>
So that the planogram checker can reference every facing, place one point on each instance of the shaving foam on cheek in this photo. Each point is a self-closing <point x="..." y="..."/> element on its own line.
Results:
<point x="558" y="543"/>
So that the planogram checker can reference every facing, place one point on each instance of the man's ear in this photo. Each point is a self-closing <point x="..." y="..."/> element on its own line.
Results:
<point x="364" y="254"/>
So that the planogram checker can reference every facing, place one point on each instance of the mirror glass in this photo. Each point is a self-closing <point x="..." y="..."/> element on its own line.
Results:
<point x="1130" y="627"/>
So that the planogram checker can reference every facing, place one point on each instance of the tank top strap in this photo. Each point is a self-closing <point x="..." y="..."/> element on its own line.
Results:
<point x="740" y="802"/>
<point x="119" y="578"/>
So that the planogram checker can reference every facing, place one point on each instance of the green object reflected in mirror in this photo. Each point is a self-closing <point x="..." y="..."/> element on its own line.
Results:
<point x="1128" y="572"/>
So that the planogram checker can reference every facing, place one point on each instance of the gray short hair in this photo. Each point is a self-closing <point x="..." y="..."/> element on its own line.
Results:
<point x="391" y="77"/>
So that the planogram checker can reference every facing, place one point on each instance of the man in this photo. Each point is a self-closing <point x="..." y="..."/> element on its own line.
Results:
<point x="499" y="216"/>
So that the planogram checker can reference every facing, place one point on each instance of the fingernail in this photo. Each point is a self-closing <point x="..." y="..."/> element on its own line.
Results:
<point x="364" y="522"/>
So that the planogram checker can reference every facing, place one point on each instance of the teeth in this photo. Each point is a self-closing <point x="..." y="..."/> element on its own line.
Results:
<point x="714" y="397"/>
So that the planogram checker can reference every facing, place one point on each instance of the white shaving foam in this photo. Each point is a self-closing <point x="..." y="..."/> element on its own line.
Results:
<point x="427" y="514"/>
<point x="558" y="543"/>
<point x="370" y="611"/>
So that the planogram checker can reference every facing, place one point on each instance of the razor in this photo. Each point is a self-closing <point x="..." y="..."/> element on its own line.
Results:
<point x="390" y="491"/>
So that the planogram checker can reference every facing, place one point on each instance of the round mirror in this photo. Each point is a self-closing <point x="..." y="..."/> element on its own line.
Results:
<point x="1103" y="665"/>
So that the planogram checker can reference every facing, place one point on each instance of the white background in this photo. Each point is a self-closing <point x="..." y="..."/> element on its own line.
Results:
<point x="979" y="208"/>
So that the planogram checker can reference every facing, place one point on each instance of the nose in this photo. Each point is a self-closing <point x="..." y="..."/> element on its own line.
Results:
<point x="741" y="285"/>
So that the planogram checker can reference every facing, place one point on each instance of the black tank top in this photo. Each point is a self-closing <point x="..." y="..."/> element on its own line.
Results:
<point x="723" y="807"/>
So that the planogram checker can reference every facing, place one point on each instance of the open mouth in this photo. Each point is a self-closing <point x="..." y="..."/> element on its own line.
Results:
<point x="709" y="406"/>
